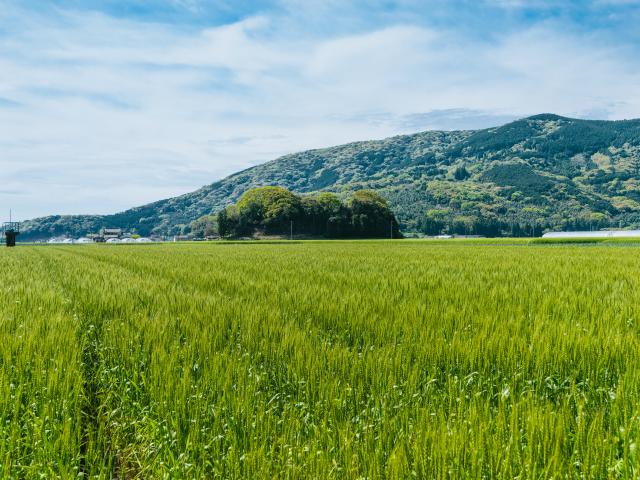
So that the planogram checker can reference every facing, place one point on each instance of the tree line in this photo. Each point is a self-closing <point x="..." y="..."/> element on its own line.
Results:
<point x="526" y="222"/>
<point x="278" y="211"/>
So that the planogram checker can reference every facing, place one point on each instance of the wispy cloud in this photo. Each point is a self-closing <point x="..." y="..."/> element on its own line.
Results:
<point x="8" y="103"/>
<point x="105" y="108"/>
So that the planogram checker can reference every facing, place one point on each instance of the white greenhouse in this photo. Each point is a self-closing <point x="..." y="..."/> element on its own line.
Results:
<point x="596" y="234"/>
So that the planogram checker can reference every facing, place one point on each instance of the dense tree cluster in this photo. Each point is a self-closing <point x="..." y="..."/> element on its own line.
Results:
<point x="526" y="222"/>
<point x="277" y="211"/>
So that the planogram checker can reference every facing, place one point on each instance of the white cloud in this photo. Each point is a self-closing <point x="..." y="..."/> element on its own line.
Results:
<point x="100" y="114"/>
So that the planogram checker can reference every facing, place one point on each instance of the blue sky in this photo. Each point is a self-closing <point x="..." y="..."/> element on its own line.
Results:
<point x="110" y="104"/>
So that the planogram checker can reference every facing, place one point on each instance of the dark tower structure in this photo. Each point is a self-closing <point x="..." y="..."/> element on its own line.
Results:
<point x="11" y="231"/>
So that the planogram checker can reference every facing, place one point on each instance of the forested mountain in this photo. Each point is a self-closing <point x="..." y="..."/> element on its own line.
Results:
<point x="541" y="172"/>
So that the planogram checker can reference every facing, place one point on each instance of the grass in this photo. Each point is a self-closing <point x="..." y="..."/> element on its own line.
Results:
<point x="320" y="360"/>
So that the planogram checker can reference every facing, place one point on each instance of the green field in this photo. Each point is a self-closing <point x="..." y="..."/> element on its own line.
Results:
<point x="383" y="359"/>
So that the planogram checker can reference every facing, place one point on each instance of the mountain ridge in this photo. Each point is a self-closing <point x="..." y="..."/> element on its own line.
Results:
<point x="543" y="171"/>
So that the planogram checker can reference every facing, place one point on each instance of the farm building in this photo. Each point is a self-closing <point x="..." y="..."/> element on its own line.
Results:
<point x="596" y="234"/>
<point x="108" y="233"/>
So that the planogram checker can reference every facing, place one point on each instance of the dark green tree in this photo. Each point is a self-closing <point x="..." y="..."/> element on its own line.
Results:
<point x="269" y="208"/>
<point x="229" y="222"/>
<point x="371" y="216"/>
<point x="435" y="222"/>
<point x="334" y="216"/>
<point x="461" y="173"/>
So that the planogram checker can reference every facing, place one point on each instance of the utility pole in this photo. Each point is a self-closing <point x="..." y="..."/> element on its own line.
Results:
<point x="291" y="230"/>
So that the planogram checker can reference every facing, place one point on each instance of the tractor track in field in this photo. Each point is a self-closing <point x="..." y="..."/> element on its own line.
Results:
<point x="89" y="338"/>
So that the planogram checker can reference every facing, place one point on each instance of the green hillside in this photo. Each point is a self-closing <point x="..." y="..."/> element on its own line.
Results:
<point x="541" y="172"/>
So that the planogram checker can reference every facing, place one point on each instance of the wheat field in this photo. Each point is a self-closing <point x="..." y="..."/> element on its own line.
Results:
<point x="363" y="359"/>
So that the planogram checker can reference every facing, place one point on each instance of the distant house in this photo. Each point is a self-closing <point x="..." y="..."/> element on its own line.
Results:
<point x="108" y="233"/>
<point x="596" y="234"/>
